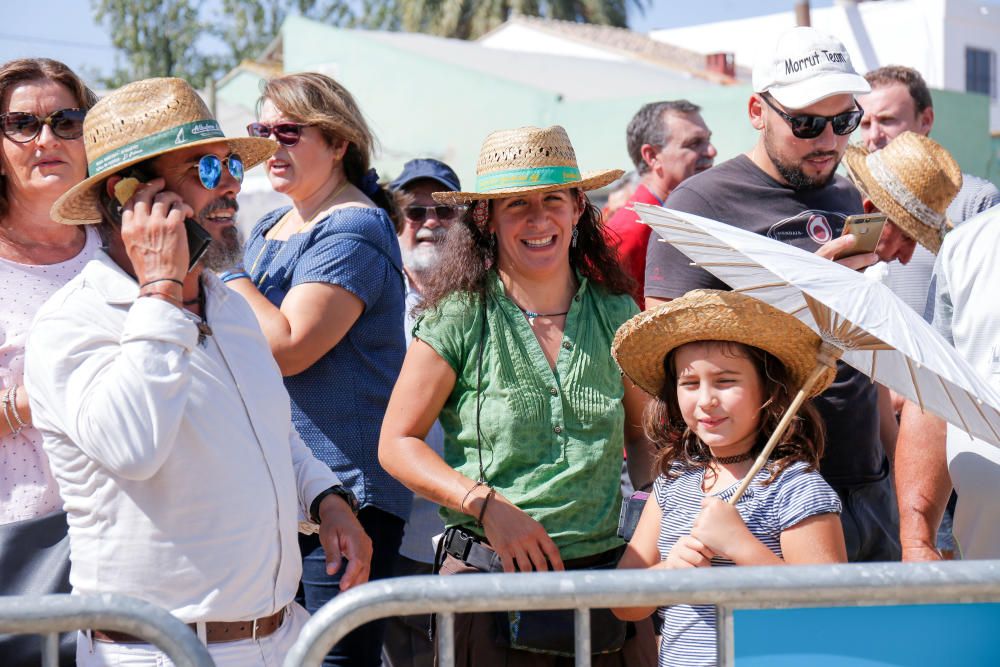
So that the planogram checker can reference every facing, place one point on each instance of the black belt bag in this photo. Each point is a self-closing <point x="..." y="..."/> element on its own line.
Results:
<point x="540" y="631"/>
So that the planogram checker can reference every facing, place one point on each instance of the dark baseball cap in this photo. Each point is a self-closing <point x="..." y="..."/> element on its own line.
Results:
<point x="414" y="170"/>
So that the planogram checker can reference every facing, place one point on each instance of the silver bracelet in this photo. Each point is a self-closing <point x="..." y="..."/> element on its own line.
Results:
<point x="13" y="406"/>
<point x="6" y="412"/>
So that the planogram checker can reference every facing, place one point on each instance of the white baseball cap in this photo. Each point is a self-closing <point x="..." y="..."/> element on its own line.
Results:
<point x="804" y="66"/>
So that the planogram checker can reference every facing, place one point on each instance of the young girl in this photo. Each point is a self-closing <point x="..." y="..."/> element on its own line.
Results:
<point x="724" y="367"/>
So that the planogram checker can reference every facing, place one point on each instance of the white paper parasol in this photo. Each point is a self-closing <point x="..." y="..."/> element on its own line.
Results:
<point x="859" y="319"/>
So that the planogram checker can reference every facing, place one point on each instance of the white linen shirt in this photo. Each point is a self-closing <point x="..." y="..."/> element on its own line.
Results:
<point x="966" y="311"/>
<point x="178" y="464"/>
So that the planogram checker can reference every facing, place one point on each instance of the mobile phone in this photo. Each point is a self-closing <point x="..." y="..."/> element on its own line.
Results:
<point x="198" y="238"/>
<point x="867" y="228"/>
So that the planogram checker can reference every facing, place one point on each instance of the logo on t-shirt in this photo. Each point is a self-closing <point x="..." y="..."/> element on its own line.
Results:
<point x="819" y="229"/>
<point x="817" y="226"/>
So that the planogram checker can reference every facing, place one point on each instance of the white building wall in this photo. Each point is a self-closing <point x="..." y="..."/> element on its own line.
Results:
<point x="515" y="37"/>
<point x="928" y="35"/>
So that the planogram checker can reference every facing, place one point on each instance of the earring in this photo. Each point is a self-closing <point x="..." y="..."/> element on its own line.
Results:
<point x="493" y="243"/>
<point x="481" y="212"/>
<point x="576" y="235"/>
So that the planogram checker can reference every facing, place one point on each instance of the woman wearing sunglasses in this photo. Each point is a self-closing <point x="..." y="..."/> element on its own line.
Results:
<point x="42" y="105"/>
<point x="324" y="278"/>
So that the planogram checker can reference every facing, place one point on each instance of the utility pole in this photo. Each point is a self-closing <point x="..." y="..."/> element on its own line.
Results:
<point x="802" y="13"/>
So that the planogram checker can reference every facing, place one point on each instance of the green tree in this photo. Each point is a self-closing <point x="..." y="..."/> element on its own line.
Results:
<point x="468" y="19"/>
<point x="246" y="27"/>
<point x="155" y="38"/>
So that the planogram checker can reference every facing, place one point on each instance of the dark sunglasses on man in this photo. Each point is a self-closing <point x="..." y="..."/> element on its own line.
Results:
<point x="286" y="134"/>
<point x="21" y="126"/>
<point x="444" y="213"/>
<point x="810" y="126"/>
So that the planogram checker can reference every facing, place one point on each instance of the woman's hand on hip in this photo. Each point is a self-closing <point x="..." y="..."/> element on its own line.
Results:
<point x="522" y="542"/>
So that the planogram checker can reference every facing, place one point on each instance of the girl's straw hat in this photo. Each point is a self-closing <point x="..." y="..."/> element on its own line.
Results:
<point x="643" y="342"/>
<point x="528" y="159"/>
<point x="139" y="121"/>
<point x="912" y="180"/>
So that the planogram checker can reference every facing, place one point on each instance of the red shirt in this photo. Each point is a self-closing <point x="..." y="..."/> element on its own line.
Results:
<point x="631" y="236"/>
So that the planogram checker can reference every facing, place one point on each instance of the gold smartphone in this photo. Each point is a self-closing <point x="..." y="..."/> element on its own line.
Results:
<point x="867" y="228"/>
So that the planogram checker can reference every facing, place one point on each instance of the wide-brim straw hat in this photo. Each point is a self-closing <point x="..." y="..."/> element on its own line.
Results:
<point x="912" y="180"/>
<point x="528" y="159"/>
<point x="643" y="342"/>
<point x="140" y="121"/>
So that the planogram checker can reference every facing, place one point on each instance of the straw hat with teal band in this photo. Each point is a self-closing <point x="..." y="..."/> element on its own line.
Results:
<point x="140" y="121"/>
<point x="528" y="159"/>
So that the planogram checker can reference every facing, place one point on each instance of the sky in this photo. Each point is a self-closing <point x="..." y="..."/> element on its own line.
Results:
<point x="66" y="30"/>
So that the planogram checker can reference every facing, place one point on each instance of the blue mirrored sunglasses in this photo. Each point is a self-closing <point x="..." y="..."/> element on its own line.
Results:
<point x="210" y="169"/>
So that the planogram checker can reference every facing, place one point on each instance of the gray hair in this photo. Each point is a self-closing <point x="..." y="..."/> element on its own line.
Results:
<point x="647" y="127"/>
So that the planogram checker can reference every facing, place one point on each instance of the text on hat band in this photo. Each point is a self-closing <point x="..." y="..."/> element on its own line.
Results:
<point x="178" y="135"/>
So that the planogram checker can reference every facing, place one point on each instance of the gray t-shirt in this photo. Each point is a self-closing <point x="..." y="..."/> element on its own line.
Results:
<point x="739" y="193"/>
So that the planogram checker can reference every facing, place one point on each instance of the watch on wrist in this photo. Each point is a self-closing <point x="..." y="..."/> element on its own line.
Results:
<point x="336" y="490"/>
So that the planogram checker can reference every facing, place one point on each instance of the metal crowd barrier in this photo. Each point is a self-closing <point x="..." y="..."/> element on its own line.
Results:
<point x="48" y="615"/>
<point x="729" y="588"/>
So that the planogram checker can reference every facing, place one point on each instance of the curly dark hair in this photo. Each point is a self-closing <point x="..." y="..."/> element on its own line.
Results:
<point x="675" y="443"/>
<point x="471" y="255"/>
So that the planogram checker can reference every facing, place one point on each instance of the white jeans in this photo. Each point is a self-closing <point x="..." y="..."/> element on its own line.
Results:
<point x="266" y="652"/>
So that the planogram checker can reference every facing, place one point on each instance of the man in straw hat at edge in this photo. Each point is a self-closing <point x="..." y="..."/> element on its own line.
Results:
<point x="162" y="409"/>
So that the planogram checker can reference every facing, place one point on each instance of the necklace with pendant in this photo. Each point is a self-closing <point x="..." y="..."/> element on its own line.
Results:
<point x="531" y="315"/>
<point x="204" y="331"/>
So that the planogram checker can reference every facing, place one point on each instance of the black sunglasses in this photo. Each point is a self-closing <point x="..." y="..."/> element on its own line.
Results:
<point x="441" y="211"/>
<point x="287" y="134"/>
<point x="809" y="126"/>
<point x="22" y="127"/>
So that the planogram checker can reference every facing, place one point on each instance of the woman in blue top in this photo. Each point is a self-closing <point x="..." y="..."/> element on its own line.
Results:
<point x="324" y="278"/>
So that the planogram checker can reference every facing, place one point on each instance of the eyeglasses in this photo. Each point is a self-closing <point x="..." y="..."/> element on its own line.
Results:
<point x="286" y="134"/>
<point x="210" y="169"/>
<point x="809" y="126"/>
<point x="22" y="127"/>
<point x="443" y="212"/>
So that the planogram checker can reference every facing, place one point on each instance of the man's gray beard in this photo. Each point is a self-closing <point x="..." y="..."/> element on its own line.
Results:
<point x="421" y="259"/>
<point x="793" y="174"/>
<point x="225" y="252"/>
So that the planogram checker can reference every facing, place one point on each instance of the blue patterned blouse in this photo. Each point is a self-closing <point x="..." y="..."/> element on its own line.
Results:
<point x="339" y="402"/>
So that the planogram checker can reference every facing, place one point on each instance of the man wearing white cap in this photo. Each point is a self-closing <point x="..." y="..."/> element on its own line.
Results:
<point x="786" y="188"/>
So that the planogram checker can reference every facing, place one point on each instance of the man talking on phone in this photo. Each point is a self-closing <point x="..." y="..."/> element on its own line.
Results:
<point x="163" y="412"/>
<point x="804" y="108"/>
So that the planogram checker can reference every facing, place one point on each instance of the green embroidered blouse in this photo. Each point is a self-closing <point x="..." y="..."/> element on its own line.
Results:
<point x="551" y="440"/>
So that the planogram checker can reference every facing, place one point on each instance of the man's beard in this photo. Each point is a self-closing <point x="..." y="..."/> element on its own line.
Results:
<point x="226" y="250"/>
<point x="424" y="257"/>
<point x="793" y="174"/>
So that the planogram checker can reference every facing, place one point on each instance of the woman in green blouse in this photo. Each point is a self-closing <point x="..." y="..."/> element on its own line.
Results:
<point x="512" y="354"/>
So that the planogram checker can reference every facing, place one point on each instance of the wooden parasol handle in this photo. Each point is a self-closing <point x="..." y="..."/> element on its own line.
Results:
<point x="825" y="359"/>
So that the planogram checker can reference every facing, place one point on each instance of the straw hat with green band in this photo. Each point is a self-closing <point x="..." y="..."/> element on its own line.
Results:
<point x="912" y="180"/>
<point x="643" y="342"/>
<point x="527" y="159"/>
<point x="139" y="121"/>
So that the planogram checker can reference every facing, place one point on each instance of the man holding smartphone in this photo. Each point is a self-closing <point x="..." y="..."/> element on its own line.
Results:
<point x="163" y="412"/>
<point x="786" y="188"/>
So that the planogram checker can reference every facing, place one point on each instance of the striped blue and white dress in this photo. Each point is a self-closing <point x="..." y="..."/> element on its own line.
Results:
<point x="688" y="635"/>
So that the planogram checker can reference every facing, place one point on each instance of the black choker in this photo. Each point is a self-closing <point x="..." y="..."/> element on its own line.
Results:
<point x="738" y="458"/>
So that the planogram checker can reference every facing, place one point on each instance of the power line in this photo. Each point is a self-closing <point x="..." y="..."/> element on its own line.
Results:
<point x="56" y="42"/>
